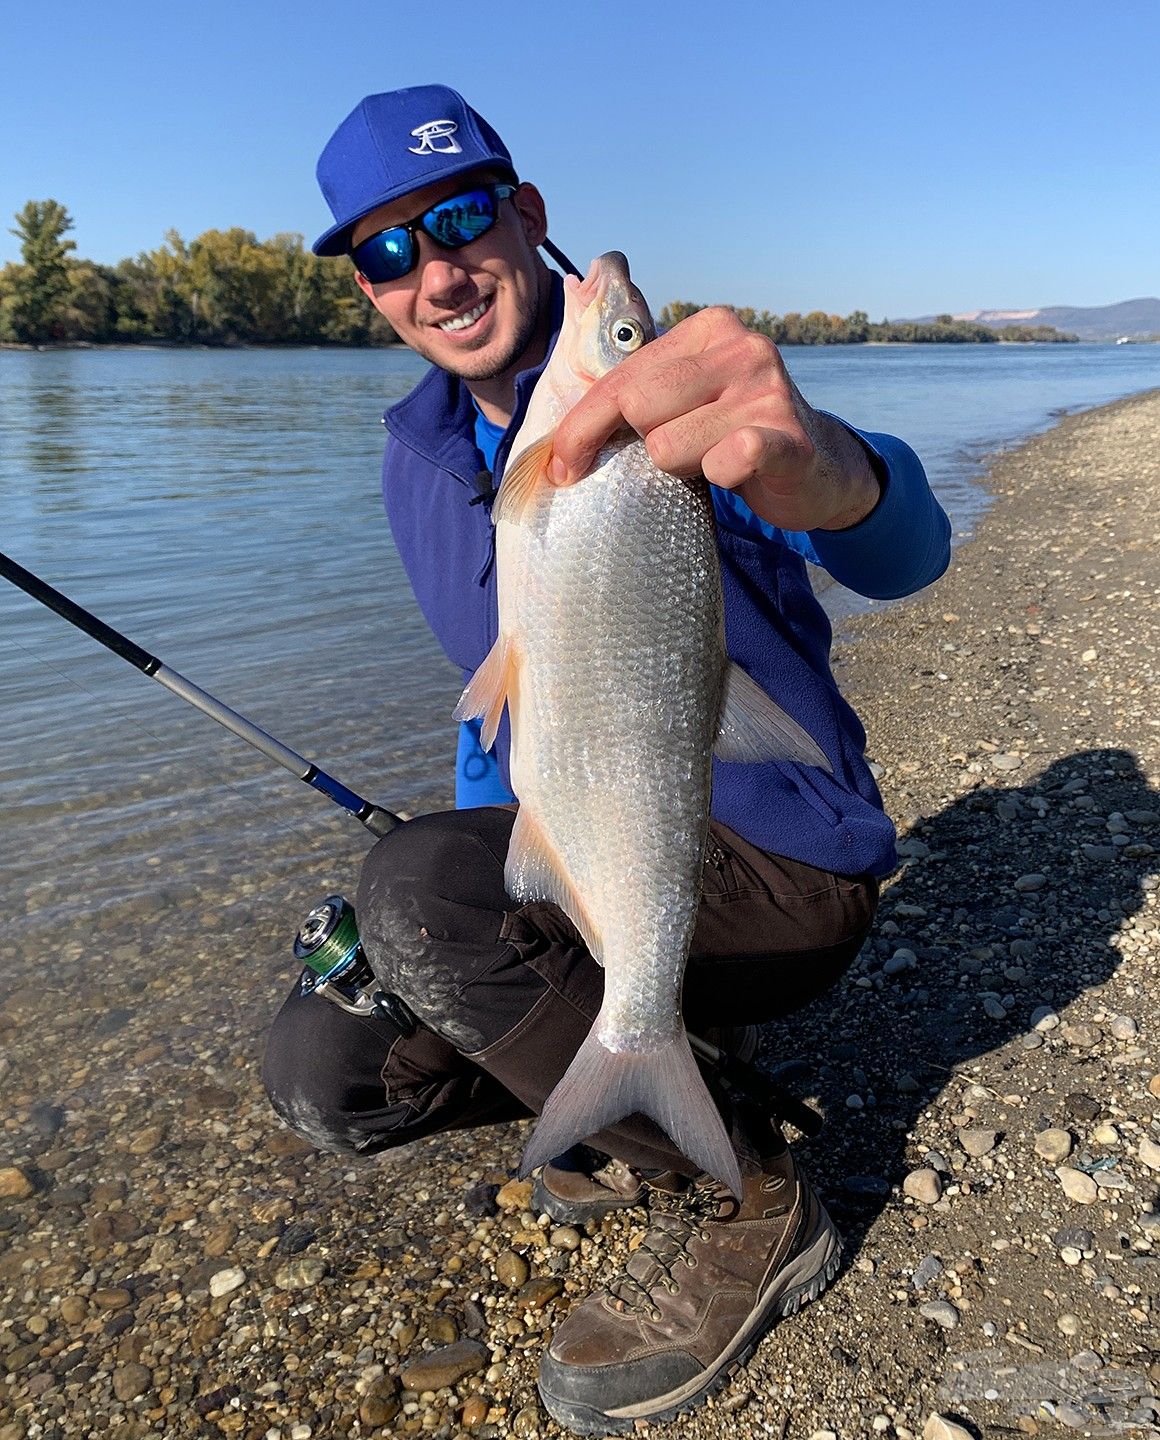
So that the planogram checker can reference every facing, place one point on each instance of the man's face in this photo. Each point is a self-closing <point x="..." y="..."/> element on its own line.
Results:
<point x="497" y="283"/>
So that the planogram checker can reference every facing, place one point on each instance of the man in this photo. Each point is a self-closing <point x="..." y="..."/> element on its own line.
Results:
<point x="445" y="239"/>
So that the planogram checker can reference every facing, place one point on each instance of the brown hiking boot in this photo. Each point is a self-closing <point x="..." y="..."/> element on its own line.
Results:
<point x="585" y="1184"/>
<point x="710" y="1277"/>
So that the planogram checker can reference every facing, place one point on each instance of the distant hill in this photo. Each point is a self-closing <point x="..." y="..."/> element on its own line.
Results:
<point x="1134" y="318"/>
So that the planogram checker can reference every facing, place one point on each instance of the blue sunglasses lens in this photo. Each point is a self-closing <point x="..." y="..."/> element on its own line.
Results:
<point x="385" y="256"/>
<point x="453" y="223"/>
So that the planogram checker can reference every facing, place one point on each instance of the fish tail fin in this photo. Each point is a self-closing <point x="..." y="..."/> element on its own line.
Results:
<point x="490" y="689"/>
<point x="602" y="1086"/>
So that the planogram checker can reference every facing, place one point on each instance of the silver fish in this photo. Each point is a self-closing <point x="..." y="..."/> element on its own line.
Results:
<point x="611" y="660"/>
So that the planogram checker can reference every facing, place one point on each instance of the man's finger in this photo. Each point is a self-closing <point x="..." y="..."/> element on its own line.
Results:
<point x="646" y="391"/>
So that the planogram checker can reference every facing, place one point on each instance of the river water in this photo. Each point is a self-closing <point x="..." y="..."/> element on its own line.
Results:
<point x="222" y="509"/>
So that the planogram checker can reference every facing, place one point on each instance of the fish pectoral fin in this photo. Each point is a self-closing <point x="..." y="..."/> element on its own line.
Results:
<point x="521" y="485"/>
<point x="602" y="1086"/>
<point x="535" y="871"/>
<point x="755" y="728"/>
<point x="489" y="689"/>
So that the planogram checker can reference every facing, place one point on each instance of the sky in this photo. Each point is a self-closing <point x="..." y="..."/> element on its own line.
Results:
<point x="899" y="158"/>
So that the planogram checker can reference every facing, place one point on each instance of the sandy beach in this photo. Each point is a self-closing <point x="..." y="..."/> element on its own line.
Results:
<point x="173" y="1263"/>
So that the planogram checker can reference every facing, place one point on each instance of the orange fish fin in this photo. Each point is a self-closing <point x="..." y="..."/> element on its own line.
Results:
<point x="535" y="871"/>
<point x="489" y="689"/>
<point x="755" y="728"/>
<point x="522" y="484"/>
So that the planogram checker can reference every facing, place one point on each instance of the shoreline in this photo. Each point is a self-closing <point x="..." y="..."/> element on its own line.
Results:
<point x="197" y="1270"/>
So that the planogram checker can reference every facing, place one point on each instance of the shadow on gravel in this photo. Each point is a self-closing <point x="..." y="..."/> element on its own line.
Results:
<point x="986" y="954"/>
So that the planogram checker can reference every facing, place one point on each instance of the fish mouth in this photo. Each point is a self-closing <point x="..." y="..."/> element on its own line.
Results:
<point x="603" y="270"/>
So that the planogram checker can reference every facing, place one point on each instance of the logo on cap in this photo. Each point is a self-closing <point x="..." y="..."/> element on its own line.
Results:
<point x="431" y="133"/>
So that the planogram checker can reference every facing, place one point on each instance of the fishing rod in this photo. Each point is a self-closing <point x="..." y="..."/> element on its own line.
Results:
<point x="377" y="820"/>
<point x="328" y="945"/>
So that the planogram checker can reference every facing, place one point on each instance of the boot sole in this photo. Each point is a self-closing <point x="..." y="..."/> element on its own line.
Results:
<point x="803" y="1279"/>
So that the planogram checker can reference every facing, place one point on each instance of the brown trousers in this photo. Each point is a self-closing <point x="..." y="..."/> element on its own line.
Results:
<point x="505" y="993"/>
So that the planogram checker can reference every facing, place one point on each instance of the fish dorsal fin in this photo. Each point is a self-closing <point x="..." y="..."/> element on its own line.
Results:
<point x="522" y="484"/>
<point x="489" y="689"/>
<point x="755" y="728"/>
<point x="536" y="871"/>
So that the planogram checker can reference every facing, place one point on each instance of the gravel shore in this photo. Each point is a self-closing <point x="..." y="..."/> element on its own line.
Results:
<point x="174" y="1264"/>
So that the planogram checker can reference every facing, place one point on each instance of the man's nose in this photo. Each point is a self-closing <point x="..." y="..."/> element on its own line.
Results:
<point x="442" y="275"/>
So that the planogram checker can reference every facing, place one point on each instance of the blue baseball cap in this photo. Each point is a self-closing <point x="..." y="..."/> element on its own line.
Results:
<point x="392" y="144"/>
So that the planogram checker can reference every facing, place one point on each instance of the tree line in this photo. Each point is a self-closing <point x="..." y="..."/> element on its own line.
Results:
<point x="818" y="328"/>
<point x="227" y="287"/>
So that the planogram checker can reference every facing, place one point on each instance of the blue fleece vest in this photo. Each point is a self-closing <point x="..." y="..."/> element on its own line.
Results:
<point x="774" y="627"/>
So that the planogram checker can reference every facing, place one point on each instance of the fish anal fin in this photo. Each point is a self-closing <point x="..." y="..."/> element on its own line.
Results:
<point x="522" y="483"/>
<point x="602" y="1086"/>
<point x="535" y="871"/>
<point x="489" y="689"/>
<point x="755" y="728"/>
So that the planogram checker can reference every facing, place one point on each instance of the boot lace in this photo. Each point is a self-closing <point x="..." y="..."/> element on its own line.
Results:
<point x="676" y="1219"/>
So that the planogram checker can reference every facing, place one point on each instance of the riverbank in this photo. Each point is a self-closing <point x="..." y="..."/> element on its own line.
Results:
<point x="174" y="1263"/>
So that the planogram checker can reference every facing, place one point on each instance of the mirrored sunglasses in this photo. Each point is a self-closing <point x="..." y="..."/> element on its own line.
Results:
<point x="453" y="223"/>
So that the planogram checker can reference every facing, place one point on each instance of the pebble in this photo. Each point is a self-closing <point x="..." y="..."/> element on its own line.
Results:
<point x="15" y="1184"/>
<point x="994" y="1008"/>
<point x="381" y="1403"/>
<point x="130" y="1381"/>
<point x="445" y="1366"/>
<point x="527" y="1421"/>
<point x="301" y="1273"/>
<point x="112" y="1297"/>
<point x="1123" y="1027"/>
<point x="1154" y="1086"/>
<point x="73" y="1309"/>
<point x="515" y="1195"/>
<point x="147" y="1140"/>
<point x="928" y="1268"/>
<point x="1007" y="762"/>
<point x="1027" y="883"/>
<point x="565" y="1237"/>
<point x="539" y="1291"/>
<point x="900" y="961"/>
<point x="1081" y="1034"/>
<point x="1077" y="1186"/>
<point x="1069" y="1324"/>
<point x="1149" y="1153"/>
<point x="474" y="1412"/>
<point x="923" y="1185"/>
<point x="1053" y="1145"/>
<point x="226" y="1281"/>
<point x="942" y="1312"/>
<point x="511" y="1269"/>
<point x="978" y="1142"/>
<point x="938" y="1427"/>
<point x="1070" y="1255"/>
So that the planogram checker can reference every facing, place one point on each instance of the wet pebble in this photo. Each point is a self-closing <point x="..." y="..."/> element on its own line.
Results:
<point x="381" y="1403"/>
<point x="15" y="1184"/>
<point x="445" y="1366"/>
<point x="130" y="1381"/>
<point x="565" y="1237"/>
<point x="225" y="1282"/>
<point x="301" y="1273"/>
<point x="511" y="1269"/>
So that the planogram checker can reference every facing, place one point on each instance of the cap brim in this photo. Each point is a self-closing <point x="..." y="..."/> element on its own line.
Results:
<point x="336" y="240"/>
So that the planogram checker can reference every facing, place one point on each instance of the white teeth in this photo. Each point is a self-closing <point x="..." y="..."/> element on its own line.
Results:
<point x="461" y="322"/>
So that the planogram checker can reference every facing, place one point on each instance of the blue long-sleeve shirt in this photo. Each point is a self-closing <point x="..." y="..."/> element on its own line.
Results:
<point x="867" y="558"/>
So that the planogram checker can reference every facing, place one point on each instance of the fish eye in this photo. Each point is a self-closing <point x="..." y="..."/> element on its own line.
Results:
<point x="627" y="335"/>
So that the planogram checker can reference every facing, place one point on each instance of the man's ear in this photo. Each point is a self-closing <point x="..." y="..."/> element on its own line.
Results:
<point x="365" y="285"/>
<point x="530" y="205"/>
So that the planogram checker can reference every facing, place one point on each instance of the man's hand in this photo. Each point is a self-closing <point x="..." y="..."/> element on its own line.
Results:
<point x="714" y="399"/>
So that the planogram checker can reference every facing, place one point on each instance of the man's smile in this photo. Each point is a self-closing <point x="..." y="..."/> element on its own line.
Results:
<point x="469" y="317"/>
